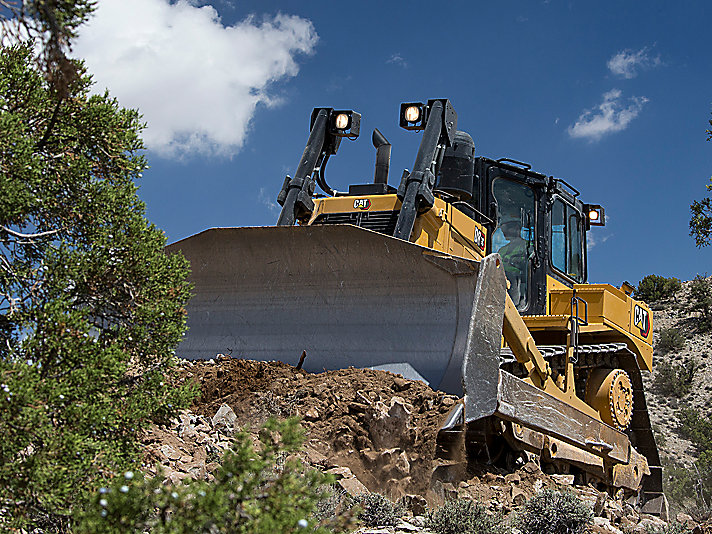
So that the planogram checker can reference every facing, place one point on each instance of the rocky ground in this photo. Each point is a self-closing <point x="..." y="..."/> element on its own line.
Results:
<point x="374" y="430"/>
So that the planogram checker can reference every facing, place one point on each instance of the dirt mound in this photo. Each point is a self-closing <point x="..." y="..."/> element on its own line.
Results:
<point x="380" y="426"/>
<point x="375" y="430"/>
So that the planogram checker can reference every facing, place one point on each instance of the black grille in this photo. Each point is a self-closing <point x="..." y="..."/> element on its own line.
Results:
<point x="383" y="222"/>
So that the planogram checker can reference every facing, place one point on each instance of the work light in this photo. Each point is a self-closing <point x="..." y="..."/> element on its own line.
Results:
<point x="595" y="214"/>
<point x="412" y="116"/>
<point x="345" y="123"/>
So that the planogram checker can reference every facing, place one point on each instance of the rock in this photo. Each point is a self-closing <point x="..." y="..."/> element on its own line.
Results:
<point x="564" y="480"/>
<point x="390" y="425"/>
<point x="448" y="401"/>
<point x="400" y="384"/>
<point x="513" y="479"/>
<point x="531" y="467"/>
<point x="685" y="520"/>
<point x="357" y="407"/>
<point x="404" y="526"/>
<point x="604" y="525"/>
<point x="518" y="496"/>
<point x="225" y="418"/>
<point x="312" y="414"/>
<point x="613" y="510"/>
<point x="415" y="504"/>
<point x="488" y="478"/>
<point x="348" y="481"/>
<point x="444" y="490"/>
<point x="340" y="472"/>
<point x="418" y="520"/>
<point x="169" y="452"/>
<point x="352" y="486"/>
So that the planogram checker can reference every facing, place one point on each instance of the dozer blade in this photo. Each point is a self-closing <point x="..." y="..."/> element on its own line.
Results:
<point x="345" y="295"/>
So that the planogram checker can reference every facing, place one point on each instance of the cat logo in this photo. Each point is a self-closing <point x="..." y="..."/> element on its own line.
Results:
<point x="362" y="204"/>
<point x="641" y="319"/>
<point x="479" y="238"/>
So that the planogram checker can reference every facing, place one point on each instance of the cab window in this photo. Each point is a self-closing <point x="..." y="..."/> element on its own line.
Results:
<point x="513" y="238"/>
<point x="567" y="240"/>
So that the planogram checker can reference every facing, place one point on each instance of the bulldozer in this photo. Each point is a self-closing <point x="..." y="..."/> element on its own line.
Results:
<point x="469" y="275"/>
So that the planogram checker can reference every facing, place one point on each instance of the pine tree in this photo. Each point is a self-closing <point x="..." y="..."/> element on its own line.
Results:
<point x="91" y="307"/>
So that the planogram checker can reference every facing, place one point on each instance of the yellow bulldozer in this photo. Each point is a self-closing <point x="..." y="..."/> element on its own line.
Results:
<point x="470" y="275"/>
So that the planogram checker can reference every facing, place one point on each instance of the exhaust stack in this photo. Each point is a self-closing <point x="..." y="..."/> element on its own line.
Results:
<point x="383" y="157"/>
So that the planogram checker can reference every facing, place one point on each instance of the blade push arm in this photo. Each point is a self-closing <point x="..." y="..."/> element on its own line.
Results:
<point x="416" y="189"/>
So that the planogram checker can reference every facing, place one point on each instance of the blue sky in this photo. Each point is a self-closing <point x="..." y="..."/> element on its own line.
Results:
<point x="614" y="97"/>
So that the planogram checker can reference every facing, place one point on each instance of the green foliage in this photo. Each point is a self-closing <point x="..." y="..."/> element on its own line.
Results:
<point x="696" y="428"/>
<point x="670" y="528"/>
<point x="654" y="288"/>
<point x="692" y="486"/>
<point x="248" y="495"/>
<point x="90" y="306"/>
<point x="551" y="512"/>
<point x="52" y="24"/>
<point x="335" y="509"/>
<point x="673" y="378"/>
<point x="463" y="516"/>
<point x="701" y="213"/>
<point x="701" y="300"/>
<point x="377" y="510"/>
<point x="688" y="487"/>
<point x="660" y="439"/>
<point x="671" y="340"/>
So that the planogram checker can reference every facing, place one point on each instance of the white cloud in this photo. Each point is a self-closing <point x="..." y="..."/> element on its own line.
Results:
<point x="398" y="60"/>
<point x="626" y="63"/>
<point x="267" y="200"/>
<point x="612" y="115"/>
<point x="592" y="240"/>
<point x="196" y="81"/>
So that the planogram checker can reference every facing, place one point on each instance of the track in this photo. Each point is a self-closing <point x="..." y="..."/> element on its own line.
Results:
<point x="498" y="441"/>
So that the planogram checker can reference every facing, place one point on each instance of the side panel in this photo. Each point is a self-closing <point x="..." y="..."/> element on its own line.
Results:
<point x="607" y="305"/>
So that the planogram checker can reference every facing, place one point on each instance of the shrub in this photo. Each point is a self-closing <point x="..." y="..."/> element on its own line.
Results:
<point x="696" y="428"/>
<point x="248" y="495"/>
<point x="551" y="512"/>
<point x="688" y="488"/>
<point x="463" y="516"/>
<point x="671" y="339"/>
<point x="671" y="528"/>
<point x="672" y="378"/>
<point x="654" y="288"/>
<point x="334" y="510"/>
<point x="377" y="510"/>
<point x="701" y="300"/>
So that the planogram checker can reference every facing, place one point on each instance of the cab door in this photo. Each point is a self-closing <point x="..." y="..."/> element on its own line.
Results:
<point x="516" y="204"/>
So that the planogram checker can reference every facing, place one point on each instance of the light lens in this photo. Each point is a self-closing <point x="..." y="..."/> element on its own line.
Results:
<point x="412" y="114"/>
<point x="342" y="121"/>
<point x="593" y="215"/>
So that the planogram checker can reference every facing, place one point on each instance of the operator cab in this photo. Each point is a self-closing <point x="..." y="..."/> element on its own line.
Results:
<point x="536" y="223"/>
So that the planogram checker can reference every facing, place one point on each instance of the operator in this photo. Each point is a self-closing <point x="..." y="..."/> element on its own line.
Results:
<point x="514" y="257"/>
